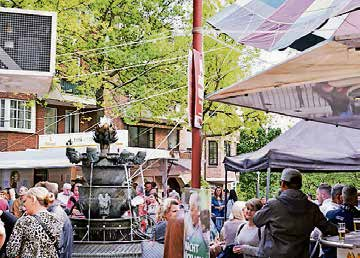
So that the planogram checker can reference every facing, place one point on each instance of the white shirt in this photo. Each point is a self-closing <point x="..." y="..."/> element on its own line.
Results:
<point x="63" y="198"/>
<point x="328" y="205"/>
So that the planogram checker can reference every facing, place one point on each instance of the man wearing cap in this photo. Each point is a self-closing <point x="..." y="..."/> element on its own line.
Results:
<point x="289" y="219"/>
<point x="64" y="196"/>
<point x="18" y="205"/>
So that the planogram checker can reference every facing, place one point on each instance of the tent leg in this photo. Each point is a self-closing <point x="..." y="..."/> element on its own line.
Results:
<point x="268" y="183"/>
<point x="258" y="185"/>
<point x="225" y="210"/>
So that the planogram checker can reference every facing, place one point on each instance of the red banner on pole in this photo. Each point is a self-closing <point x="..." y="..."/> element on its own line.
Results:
<point x="190" y="95"/>
<point x="199" y="88"/>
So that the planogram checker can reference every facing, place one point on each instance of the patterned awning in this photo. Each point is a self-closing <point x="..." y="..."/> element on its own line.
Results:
<point x="277" y="24"/>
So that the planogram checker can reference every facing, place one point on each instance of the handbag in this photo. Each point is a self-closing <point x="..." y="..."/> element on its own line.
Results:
<point x="228" y="253"/>
<point x="51" y="236"/>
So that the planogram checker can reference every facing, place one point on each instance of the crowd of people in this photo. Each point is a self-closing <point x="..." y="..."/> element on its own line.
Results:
<point x="36" y="223"/>
<point x="278" y="227"/>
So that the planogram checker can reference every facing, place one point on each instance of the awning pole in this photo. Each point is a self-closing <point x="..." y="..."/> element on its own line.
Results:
<point x="258" y="185"/>
<point x="225" y="208"/>
<point x="268" y="183"/>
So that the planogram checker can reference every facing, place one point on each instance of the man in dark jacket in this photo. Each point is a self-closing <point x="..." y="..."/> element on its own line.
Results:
<point x="289" y="219"/>
<point x="348" y="211"/>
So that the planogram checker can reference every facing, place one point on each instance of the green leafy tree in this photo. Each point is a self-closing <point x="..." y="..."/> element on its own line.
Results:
<point x="252" y="140"/>
<point x="138" y="49"/>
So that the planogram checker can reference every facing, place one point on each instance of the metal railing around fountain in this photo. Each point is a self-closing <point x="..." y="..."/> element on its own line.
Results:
<point x="105" y="198"/>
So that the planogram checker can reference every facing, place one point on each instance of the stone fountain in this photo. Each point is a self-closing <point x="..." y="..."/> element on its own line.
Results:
<point x="105" y="197"/>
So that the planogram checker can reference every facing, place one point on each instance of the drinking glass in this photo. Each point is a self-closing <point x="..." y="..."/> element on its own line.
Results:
<point x="341" y="231"/>
<point x="357" y="224"/>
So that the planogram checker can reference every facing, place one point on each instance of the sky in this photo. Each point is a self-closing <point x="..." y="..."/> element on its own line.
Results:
<point x="265" y="61"/>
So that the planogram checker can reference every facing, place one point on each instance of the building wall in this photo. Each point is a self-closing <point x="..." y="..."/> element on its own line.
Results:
<point x="218" y="171"/>
<point x="59" y="176"/>
<point x="22" y="96"/>
<point x="13" y="141"/>
<point x="26" y="177"/>
<point x="86" y="120"/>
<point x="161" y="142"/>
<point x="18" y="141"/>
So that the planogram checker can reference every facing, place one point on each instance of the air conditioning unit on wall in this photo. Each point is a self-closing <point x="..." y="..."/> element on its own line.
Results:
<point x="27" y="50"/>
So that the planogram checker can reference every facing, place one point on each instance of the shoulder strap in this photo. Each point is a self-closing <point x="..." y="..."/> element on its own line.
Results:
<point x="240" y="228"/>
<point x="47" y="231"/>
<point x="259" y="234"/>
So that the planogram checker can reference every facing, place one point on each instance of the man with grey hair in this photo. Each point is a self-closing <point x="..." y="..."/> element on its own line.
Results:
<point x="289" y="219"/>
<point x="195" y="244"/>
<point x="348" y="211"/>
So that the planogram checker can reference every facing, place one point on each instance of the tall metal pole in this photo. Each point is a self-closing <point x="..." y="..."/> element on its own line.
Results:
<point x="196" y="132"/>
<point x="226" y="199"/>
<point x="268" y="174"/>
<point x="258" y="185"/>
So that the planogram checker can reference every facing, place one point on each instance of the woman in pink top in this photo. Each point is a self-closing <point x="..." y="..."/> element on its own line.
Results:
<point x="71" y="205"/>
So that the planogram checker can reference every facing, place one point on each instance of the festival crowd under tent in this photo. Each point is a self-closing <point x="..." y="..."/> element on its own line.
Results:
<point x="320" y="84"/>
<point x="308" y="146"/>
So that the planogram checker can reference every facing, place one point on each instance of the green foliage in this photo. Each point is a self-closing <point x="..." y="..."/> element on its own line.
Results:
<point x="203" y="183"/>
<point x="252" y="140"/>
<point x="312" y="180"/>
<point x="138" y="49"/>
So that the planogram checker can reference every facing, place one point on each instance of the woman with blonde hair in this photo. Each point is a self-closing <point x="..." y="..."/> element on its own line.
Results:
<point x="54" y="207"/>
<point x="230" y="227"/>
<point x="167" y="211"/>
<point x="248" y="234"/>
<point x="38" y="233"/>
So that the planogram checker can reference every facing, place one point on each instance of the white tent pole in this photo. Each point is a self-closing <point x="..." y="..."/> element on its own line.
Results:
<point x="268" y="183"/>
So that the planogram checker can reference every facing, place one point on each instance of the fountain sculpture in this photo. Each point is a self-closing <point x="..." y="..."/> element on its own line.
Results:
<point x="105" y="197"/>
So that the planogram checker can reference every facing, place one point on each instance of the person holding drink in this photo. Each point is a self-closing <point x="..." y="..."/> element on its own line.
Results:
<point x="348" y="211"/>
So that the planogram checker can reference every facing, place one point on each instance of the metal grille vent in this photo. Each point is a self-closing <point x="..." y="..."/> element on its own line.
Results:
<point x="25" y="41"/>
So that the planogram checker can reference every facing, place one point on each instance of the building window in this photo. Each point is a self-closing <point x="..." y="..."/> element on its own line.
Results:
<point x="50" y="125"/>
<point x="173" y="140"/>
<point x="227" y="148"/>
<point x="72" y="122"/>
<point x="141" y="137"/>
<point x="2" y="112"/>
<point x="17" y="115"/>
<point x="20" y="114"/>
<point x="213" y="153"/>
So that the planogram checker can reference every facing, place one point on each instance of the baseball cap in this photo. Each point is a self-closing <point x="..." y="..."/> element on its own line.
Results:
<point x="289" y="174"/>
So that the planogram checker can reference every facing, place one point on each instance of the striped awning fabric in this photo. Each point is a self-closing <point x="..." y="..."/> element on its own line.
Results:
<point x="278" y="24"/>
